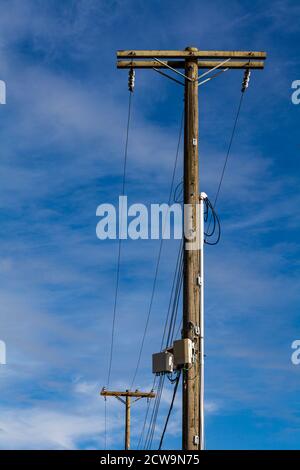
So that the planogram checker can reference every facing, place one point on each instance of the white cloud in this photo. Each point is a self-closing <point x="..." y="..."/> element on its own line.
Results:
<point x="41" y="428"/>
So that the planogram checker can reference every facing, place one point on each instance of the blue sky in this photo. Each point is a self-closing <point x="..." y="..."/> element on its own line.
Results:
<point x="62" y="139"/>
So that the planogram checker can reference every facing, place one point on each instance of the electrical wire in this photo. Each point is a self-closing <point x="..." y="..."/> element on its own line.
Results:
<point x="158" y="260"/>
<point x="168" y="328"/>
<point x="118" y="266"/>
<point x="178" y="193"/>
<point x="170" y="410"/>
<point x="173" y="319"/>
<point x="229" y="148"/>
<point x="120" y="244"/>
<point x="227" y="154"/>
<point x="209" y="209"/>
<point x="146" y="417"/>
<point x="214" y="217"/>
<point x="173" y="295"/>
<point x="178" y="271"/>
<point x="178" y="329"/>
<point x="152" y="295"/>
<point x="162" y="341"/>
<point x="170" y="322"/>
<point x="152" y="425"/>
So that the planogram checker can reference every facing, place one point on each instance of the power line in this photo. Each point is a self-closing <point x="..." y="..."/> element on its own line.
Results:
<point x="152" y="426"/>
<point x="120" y="243"/>
<point x="229" y="148"/>
<point x="227" y="157"/>
<point x="192" y="399"/>
<point x="146" y="417"/>
<point x="174" y="301"/>
<point x="170" y="411"/>
<point x="210" y="206"/>
<point x="174" y="289"/>
<point x="209" y="209"/>
<point x="158" y="260"/>
<point x="118" y="268"/>
<point x="177" y="288"/>
<point x="173" y="284"/>
<point x="173" y="307"/>
<point x="178" y="268"/>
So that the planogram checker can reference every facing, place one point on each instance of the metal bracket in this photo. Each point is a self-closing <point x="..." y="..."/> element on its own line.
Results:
<point x="171" y="68"/>
<point x="196" y="440"/>
<point x="168" y="76"/>
<point x="214" y="68"/>
<point x="194" y="356"/>
<point x="199" y="280"/>
<point x="197" y="330"/>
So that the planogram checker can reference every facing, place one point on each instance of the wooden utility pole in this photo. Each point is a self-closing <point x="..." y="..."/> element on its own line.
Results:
<point x="190" y="61"/>
<point x="127" y="402"/>
<point x="191" y="378"/>
<point x="127" y="424"/>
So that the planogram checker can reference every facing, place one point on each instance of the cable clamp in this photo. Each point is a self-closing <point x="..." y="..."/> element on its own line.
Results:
<point x="199" y="280"/>
<point x="195" y="329"/>
<point x="196" y="440"/>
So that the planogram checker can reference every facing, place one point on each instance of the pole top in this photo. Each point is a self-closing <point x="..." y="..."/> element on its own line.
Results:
<point x="191" y="49"/>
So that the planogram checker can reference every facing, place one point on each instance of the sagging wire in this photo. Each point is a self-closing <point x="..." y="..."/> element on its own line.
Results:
<point x="131" y="79"/>
<point x="211" y="215"/>
<point x="159" y="256"/>
<point x="173" y="376"/>
<point x="170" y="323"/>
<point x="245" y="85"/>
<point x="160" y="385"/>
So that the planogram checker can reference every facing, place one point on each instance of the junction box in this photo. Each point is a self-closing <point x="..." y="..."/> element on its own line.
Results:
<point x="182" y="353"/>
<point x="162" y="362"/>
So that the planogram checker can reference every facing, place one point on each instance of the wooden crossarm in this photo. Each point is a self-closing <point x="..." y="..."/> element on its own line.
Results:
<point x="128" y="393"/>
<point x="149" y="64"/>
<point x="185" y="54"/>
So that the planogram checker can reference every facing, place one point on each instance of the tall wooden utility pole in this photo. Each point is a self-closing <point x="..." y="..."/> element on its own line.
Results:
<point x="191" y="294"/>
<point x="127" y="402"/>
<point x="190" y="61"/>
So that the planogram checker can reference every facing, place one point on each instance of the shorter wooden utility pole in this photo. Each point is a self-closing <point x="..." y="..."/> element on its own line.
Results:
<point x="127" y="402"/>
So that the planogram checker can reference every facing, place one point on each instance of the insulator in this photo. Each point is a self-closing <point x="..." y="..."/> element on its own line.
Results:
<point x="131" y="80"/>
<point x="246" y="80"/>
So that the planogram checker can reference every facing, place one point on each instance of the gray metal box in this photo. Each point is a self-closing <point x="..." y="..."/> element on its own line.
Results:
<point x="162" y="362"/>
<point x="183" y="352"/>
